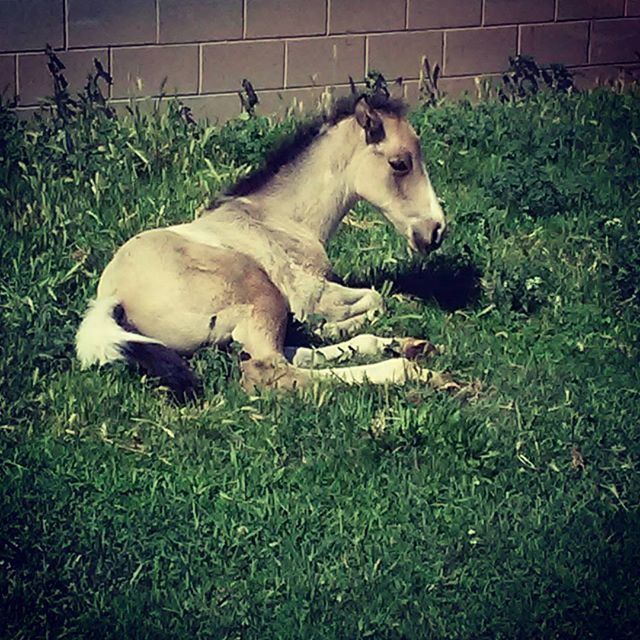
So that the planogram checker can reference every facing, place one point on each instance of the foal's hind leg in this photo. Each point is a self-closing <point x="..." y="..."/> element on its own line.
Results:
<point x="361" y="345"/>
<point x="391" y="371"/>
<point x="277" y="373"/>
<point x="395" y="371"/>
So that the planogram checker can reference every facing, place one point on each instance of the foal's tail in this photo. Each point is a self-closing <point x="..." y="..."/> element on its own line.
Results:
<point x="105" y="335"/>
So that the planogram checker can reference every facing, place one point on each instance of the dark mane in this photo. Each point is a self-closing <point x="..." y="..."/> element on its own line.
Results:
<point x="291" y="147"/>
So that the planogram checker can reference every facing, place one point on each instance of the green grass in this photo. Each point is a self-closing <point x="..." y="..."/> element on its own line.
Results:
<point x="341" y="513"/>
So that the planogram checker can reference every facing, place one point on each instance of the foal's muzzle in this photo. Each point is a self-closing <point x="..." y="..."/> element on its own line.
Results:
<point x="427" y="235"/>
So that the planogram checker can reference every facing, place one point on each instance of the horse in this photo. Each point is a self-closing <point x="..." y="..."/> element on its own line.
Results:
<point x="257" y="255"/>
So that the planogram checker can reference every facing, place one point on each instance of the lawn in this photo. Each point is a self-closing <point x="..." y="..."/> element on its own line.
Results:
<point x="341" y="512"/>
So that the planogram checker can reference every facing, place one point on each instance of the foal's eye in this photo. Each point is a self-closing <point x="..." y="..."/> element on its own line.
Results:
<point x="400" y="166"/>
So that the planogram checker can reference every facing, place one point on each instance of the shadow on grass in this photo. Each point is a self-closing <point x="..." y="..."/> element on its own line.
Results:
<point x="453" y="282"/>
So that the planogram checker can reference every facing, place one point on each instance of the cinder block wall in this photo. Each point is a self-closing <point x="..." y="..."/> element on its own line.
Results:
<point x="294" y="48"/>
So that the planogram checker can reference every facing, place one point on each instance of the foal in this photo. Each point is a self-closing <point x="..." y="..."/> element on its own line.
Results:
<point x="237" y="271"/>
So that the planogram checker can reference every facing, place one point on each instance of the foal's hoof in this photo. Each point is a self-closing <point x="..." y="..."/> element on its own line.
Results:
<point x="414" y="348"/>
<point x="439" y="381"/>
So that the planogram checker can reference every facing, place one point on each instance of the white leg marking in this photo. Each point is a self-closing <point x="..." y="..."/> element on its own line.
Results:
<point x="392" y="371"/>
<point x="363" y="345"/>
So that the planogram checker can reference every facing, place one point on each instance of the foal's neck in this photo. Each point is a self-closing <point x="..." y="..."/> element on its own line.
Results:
<point x="316" y="193"/>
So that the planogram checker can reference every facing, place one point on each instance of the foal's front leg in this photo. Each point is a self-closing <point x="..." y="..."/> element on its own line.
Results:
<point x="345" y="309"/>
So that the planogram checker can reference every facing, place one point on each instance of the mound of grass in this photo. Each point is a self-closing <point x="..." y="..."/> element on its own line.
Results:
<point x="341" y="513"/>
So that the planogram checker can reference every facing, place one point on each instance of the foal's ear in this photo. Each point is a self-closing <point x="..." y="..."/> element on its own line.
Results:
<point x="369" y="119"/>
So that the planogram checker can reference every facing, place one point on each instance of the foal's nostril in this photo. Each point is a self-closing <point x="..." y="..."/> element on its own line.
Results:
<point x="436" y="234"/>
<point x="427" y="235"/>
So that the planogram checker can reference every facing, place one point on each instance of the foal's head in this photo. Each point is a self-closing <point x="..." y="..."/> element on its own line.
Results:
<point x="389" y="172"/>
